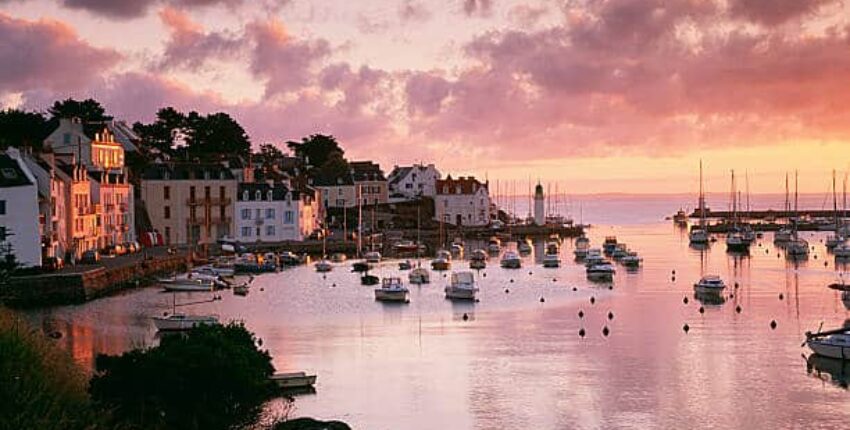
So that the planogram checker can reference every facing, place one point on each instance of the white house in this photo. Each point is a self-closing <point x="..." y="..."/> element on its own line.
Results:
<point x="462" y="201"/>
<point x="410" y="182"/>
<point x="19" y="222"/>
<point x="274" y="213"/>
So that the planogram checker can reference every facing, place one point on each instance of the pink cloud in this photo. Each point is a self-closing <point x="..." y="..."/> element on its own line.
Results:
<point x="47" y="54"/>
<point x="129" y="9"/>
<point x="774" y="12"/>
<point x="285" y="62"/>
<point x="189" y="46"/>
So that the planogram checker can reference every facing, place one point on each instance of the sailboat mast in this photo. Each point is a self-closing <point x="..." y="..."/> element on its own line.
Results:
<point x="834" y="202"/>
<point x="359" y="224"/>
<point x="701" y="199"/>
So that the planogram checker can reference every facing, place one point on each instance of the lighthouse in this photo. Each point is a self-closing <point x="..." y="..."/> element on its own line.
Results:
<point x="539" y="200"/>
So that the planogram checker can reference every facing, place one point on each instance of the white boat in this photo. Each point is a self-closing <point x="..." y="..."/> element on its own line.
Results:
<point x="551" y="260"/>
<point x="524" y="246"/>
<point x="582" y="242"/>
<point x="601" y="272"/>
<point x="180" y="322"/>
<point x="832" y="343"/>
<point x="293" y="380"/>
<point x="710" y="284"/>
<point x="392" y="290"/>
<point x="593" y="257"/>
<point x="462" y="287"/>
<point x="478" y="259"/>
<point x="735" y="242"/>
<point x="631" y="260"/>
<point x="494" y="245"/>
<point x="698" y="236"/>
<point x="443" y="260"/>
<point x="782" y="235"/>
<point x="553" y="248"/>
<point x="373" y="257"/>
<point x="214" y="271"/>
<point x="510" y="260"/>
<point x="580" y="253"/>
<point x="187" y="283"/>
<point x="419" y="275"/>
<point x="456" y="250"/>
<point x="323" y="266"/>
<point x="338" y="257"/>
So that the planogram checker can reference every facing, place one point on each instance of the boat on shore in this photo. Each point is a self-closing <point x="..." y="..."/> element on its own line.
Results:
<point x="190" y="283"/>
<point x="710" y="284"/>
<point x="293" y="380"/>
<point x="182" y="322"/>
<point x="510" y="260"/>
<point x="407" y="247"/>
<point x="392" y="290"/>
<point x="462" y="286"/>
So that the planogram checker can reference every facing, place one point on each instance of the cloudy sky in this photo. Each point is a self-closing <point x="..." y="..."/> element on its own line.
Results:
<point x="618" y="95"/>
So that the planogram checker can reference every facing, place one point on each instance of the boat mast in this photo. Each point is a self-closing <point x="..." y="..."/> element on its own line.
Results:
<point x="796" y="189"/>
<point x="359" y="223"/>
<point x="834" y="202"/>
<point x="701" y="199"/>
<point x="747" y="182"/>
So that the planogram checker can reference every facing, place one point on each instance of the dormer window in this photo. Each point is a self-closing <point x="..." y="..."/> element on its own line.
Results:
<point x="269" y="194"/>
<point x="245" y="195"/>
<point x="258" y="195"/>
<point x="206" y="175"/>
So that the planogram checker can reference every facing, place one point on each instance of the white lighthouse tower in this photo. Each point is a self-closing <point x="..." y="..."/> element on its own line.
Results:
<point x="539" y="203"/>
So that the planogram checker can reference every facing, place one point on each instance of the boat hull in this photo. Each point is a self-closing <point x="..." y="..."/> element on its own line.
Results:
<point x="168" y="324"/>
<point x="293" y="380"/>
<point x="825" y="349"/>
<point x="455" y="293"/>
<point x="441" y="265"/>
<point x="706" y="290"/>
<point x="384" y="295"/>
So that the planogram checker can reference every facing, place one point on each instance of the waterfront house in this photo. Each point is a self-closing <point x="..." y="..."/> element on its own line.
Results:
<point x="272" y="212"/>
<point x="411" y="182"/>
<point x="19" y="221"/>
<point x="370" y="182"/>
<point x="338" y="191"/>
<point x="462" y="202"/>
<point x="190" y="203"/>
<point x="52" y="201"/>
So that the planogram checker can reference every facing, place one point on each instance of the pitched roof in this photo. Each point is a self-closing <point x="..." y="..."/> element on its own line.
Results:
<point x="11" y="173"/>
<point x="399" y="173"/>
<point x="366" y="171"/>
<point x="332" y="181"/>
<point x="279" y="191"/>
<point x="188" y="171"/>
<point x="461" y="185"/>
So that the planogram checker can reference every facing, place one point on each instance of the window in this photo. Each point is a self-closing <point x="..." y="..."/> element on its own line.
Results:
<point x="246" y="231"/>
<point x="192" y="193"/>
<point x="246" y="213"/>
<point x="166" y="212"/>
<point x="408" y="186"/>
<point x="245" y="195"/>
<point x="167" y="234"/>
<point x="207" y="193"/>
<point x="2" y="207"/>
<point x="259" y="213"/>
<point x="269" y="195"/>
<point x="288" y="217"/>
<point x="270" y="213"/>
<point x="269" y="230"/>
<point x="221" y="193"/>
<point x="166" y="192"/>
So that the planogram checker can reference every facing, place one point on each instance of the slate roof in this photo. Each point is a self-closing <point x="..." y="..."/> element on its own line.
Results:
<point x="11" y="173"/>
<point x="279" y="191"/>
<point x="188" y="171"/>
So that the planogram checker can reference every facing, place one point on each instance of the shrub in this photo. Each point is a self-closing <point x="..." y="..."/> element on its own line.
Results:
<point x="214" y="377"/>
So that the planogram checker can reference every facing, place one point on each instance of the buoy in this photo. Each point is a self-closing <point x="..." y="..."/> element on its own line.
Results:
<point x="512" y="281"/>
<point x="816" y="256"/>
<point x="673" y="279"/>
<point x="592" y="300"/>
<point x="685" y="300"/>
<point x="542" y="300"/>
<point x="581" y="332"/>
<point x="465" y="316"/>
<point x="529" y="272"/>
<point x="554" y="280"/>
<point x="575" y="289"/>
<point x="674" y="272"/>
<point x="610" y="315"/>
<point x="324" y="276"/>
<point x="581" y="314"/>
<point x="333" y="285"/>
<point x="731" y="296"/>
<point x="781" y="296"/>
<point x="738" y="309"/>
<point x="825" y="263"/>
<point x="483" y="275"/>
<point x="736" y="285"/>
<point x="610" y="287"/>
<point x="507" y="291"/>
<point x="701" y="310"/>
<point x="773" y="324"/>
<point x="605" y="331"/>
<point x="686" y="327"/>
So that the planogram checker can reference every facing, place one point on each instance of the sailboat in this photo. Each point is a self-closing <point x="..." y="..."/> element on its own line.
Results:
<point x="735" y="241"/>
<point x="784" y="234"/>
<point x="797" y="247"/>
<point x="419" y="275"/>
<point x="699" y="234"/>
<point x="323" y="265"/>
<point x="836" y="238"/>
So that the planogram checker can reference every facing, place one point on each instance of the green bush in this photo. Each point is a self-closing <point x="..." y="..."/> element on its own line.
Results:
<point x="40" y="385"/>
<point x="214" y="377"/>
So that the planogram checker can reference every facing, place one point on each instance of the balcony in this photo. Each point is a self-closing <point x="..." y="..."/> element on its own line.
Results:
<point x="212" y="201"/>
<point x="259" y="221"/>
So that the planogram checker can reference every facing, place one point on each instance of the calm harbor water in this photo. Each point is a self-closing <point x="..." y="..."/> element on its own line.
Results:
<point x="518" y="362"/>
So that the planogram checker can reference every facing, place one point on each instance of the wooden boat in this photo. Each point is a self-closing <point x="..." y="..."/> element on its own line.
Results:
<point x="293" y="380"/>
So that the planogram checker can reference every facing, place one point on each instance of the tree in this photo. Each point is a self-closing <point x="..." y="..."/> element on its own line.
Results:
<point x="270" y="154"/>
<point x="88" y="110"/>
<point x="335" y="166"/>
<point x="22" y="129"/>
<point x="215" y="135"/>
<point x="316" y="149"/>
<point x="215" y="377"/>
<point x="160" y="133"/>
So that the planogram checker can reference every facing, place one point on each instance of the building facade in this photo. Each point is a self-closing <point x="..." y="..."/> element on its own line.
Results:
<point x="190" y="204"/>
<point x="19" y="220"/>
<point x="539" y="205"/>
<point x="411" y="182"/>
<point x="273" y="213"/>
<point x="462" y="202"/>
<point x="370" y="183"/>
<point x="337" y="193"/>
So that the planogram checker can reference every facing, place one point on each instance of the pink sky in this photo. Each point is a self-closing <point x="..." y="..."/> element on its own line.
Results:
<point x="602" y="96"/>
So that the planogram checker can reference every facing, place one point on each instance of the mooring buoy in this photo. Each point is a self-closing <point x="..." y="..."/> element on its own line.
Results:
<point x="686" y="327"/>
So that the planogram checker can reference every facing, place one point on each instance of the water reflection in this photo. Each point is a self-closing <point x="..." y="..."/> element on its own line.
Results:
<point x="832" y="370"/>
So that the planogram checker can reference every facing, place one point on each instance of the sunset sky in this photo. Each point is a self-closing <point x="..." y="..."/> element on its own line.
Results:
<point x="602" y="96"/>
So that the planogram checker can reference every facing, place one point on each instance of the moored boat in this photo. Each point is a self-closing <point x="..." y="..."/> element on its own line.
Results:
<point x="830" y="343"/>
<point x="710" y="284"/>
<point x="373" y="257"/>
<point x="392" y="290"/>
<point x="404" y="265"/>
<point x="510" y="260"/>
<point x="293" y="380"/>
<point x="494" y="245"/>
<point x="181" y="322"/>
<point x="338" y="257"/>
<point x="478" y="259"/>
<point x="551" y="261"/>
<point x="524" y="246"/>
<point x="419" y="275"/>
<point x="631" y="260"/>
<point x="462" y="286"/>
<point x="609" y="245"/>
<point x="323" y="266"/>
<point x="443" y="260"/>
<point x="601" y="272"/>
